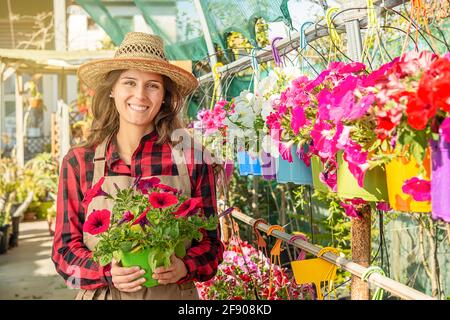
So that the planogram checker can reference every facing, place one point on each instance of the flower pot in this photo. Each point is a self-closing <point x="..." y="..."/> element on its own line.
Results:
<point x="374" y="189"/>
<point x="35" y="102"/>
<point x="140" y="259"/>
<point x="296" y="171"/>
<point x="4" y="243"/>
<point x="14" y="237"/>
<point x="397" y="172"/>
<point x="316" y="169"/>
<point x="29" y="216"/>
<point x="248" y="164"/>
<point x="440" y="180"/>
<point x="268" y="166"/>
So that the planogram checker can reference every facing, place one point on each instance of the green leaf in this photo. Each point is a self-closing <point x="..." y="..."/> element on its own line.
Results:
<point x="126" y="246"/>
<point x="117" y="255"/>
<point x="180" y="249"/>
<point x="106" y="259"/>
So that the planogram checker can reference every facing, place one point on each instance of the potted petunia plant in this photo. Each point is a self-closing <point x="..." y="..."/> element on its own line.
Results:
<point x="411" y="103"/>
<point x="149" y="221"/>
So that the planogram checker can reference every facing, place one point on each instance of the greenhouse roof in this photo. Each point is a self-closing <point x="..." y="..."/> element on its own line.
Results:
<point x="48" y="61"/>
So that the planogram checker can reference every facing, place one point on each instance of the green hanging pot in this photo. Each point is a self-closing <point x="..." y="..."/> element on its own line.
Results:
<point x="375" y="187"/>
<point x="140" y="259"/>
<point x="317" y="167"/>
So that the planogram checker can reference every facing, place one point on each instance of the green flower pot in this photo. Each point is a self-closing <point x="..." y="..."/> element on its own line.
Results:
<point x="317" y="167"/>
<point x="375" y="187"/>
<point x="140" y="259"/>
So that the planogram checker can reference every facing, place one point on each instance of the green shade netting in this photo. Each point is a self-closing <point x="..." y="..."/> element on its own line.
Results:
<point x="237" y="15"/>
<point x="187" y="42"/>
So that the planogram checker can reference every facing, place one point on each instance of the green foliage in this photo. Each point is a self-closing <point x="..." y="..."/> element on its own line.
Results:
<point x="163" y="233"/>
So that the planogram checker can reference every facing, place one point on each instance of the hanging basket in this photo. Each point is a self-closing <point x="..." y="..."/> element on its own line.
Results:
<point x="296" y="171"/>
<point x="268" y="166"/>
<point x="374" y="189"/>
<point x="317" y="168"/>
<point x="397" y="172"/>
<point x="440" y="180"/>
<point x="248" y="164"/>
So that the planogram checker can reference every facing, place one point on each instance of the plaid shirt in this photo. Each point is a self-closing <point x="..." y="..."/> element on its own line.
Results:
<point x="73" y="260"/>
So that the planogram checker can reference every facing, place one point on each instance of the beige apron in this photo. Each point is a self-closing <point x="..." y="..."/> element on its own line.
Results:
<point x="185" y="291"/>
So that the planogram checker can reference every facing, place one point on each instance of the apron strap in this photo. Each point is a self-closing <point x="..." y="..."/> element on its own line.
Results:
<point x="100" y="159"/>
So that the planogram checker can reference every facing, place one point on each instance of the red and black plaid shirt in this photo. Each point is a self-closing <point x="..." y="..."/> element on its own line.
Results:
<point x="73" y="260"/>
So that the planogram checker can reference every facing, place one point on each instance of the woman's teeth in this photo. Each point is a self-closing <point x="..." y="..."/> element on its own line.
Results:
<point x="137" y="107"/>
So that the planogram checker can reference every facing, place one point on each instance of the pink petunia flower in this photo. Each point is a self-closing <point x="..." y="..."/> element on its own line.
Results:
<point x="444" y="130"/>
<point x="418" y="189"/>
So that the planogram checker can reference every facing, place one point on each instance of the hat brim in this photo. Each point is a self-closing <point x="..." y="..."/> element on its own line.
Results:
<point x="93" y="73"/>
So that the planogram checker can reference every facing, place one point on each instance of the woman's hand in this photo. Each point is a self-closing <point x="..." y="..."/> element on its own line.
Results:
<point x="127" y="279"/>
<point x="171" y="274"/>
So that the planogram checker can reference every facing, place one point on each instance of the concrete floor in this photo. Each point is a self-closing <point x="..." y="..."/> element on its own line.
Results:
<point x="27" y="272"/>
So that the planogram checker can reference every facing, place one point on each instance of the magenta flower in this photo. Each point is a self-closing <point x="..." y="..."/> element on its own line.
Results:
<point x="127" y="216"/>
<point x="145" y="184"/>
<point x="285" y="151"/>
<point x="350" y="210"/>
<point x="97" y="222"/>
<point x="383" y="206"/>
<point x="142" y="220"/>
<point x="444" y="130"/>
<point x="325" y="138"/>
<point x="418" y="189"/>
<point x="299" y="119"/>
<point x="357" y="161"/>
<point x="95" y="191"/>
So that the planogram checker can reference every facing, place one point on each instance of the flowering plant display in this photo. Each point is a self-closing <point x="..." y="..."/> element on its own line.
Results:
<point x="323" y="114"/>
<point x="412" y="99"/>
<point x="213" y="128"/>
<point x="147" y="215"/>
<point x="244" y="275"/>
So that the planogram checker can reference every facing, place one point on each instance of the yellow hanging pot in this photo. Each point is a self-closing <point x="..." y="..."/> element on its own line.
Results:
<point x="397" y="172"/>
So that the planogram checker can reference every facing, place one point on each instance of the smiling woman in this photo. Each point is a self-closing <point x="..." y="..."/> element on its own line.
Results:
<point x="138" y="96"/>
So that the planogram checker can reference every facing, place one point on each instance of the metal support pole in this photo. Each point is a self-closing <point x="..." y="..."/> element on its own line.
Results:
<point x="208" y="39"/>
<point x="361" y="244"/>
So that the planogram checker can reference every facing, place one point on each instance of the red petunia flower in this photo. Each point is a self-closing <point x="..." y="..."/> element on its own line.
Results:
<point x="189" y="207"/>
<point x="127" y="216"/>
<point x="145" y="184"/>
<point x="95" y="191"/>
<point x="142" y="219"/>
<point x="97" y="222"/>
<point x="162" y="199"/>
<point x="166" y="188"/>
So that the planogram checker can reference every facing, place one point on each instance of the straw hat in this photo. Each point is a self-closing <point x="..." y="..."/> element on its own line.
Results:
<point x="141" y="51"/>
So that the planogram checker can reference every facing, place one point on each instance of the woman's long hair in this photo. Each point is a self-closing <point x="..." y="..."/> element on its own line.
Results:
<point x="106" y="117"/>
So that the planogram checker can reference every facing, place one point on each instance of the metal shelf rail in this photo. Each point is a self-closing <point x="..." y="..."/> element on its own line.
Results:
<point x="394" y="287"/>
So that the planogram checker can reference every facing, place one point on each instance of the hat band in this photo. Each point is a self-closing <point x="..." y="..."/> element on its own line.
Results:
<point x="140" y="50"/>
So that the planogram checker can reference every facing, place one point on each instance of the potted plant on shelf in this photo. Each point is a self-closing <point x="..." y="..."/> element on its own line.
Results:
<point x="35" y="98"/>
